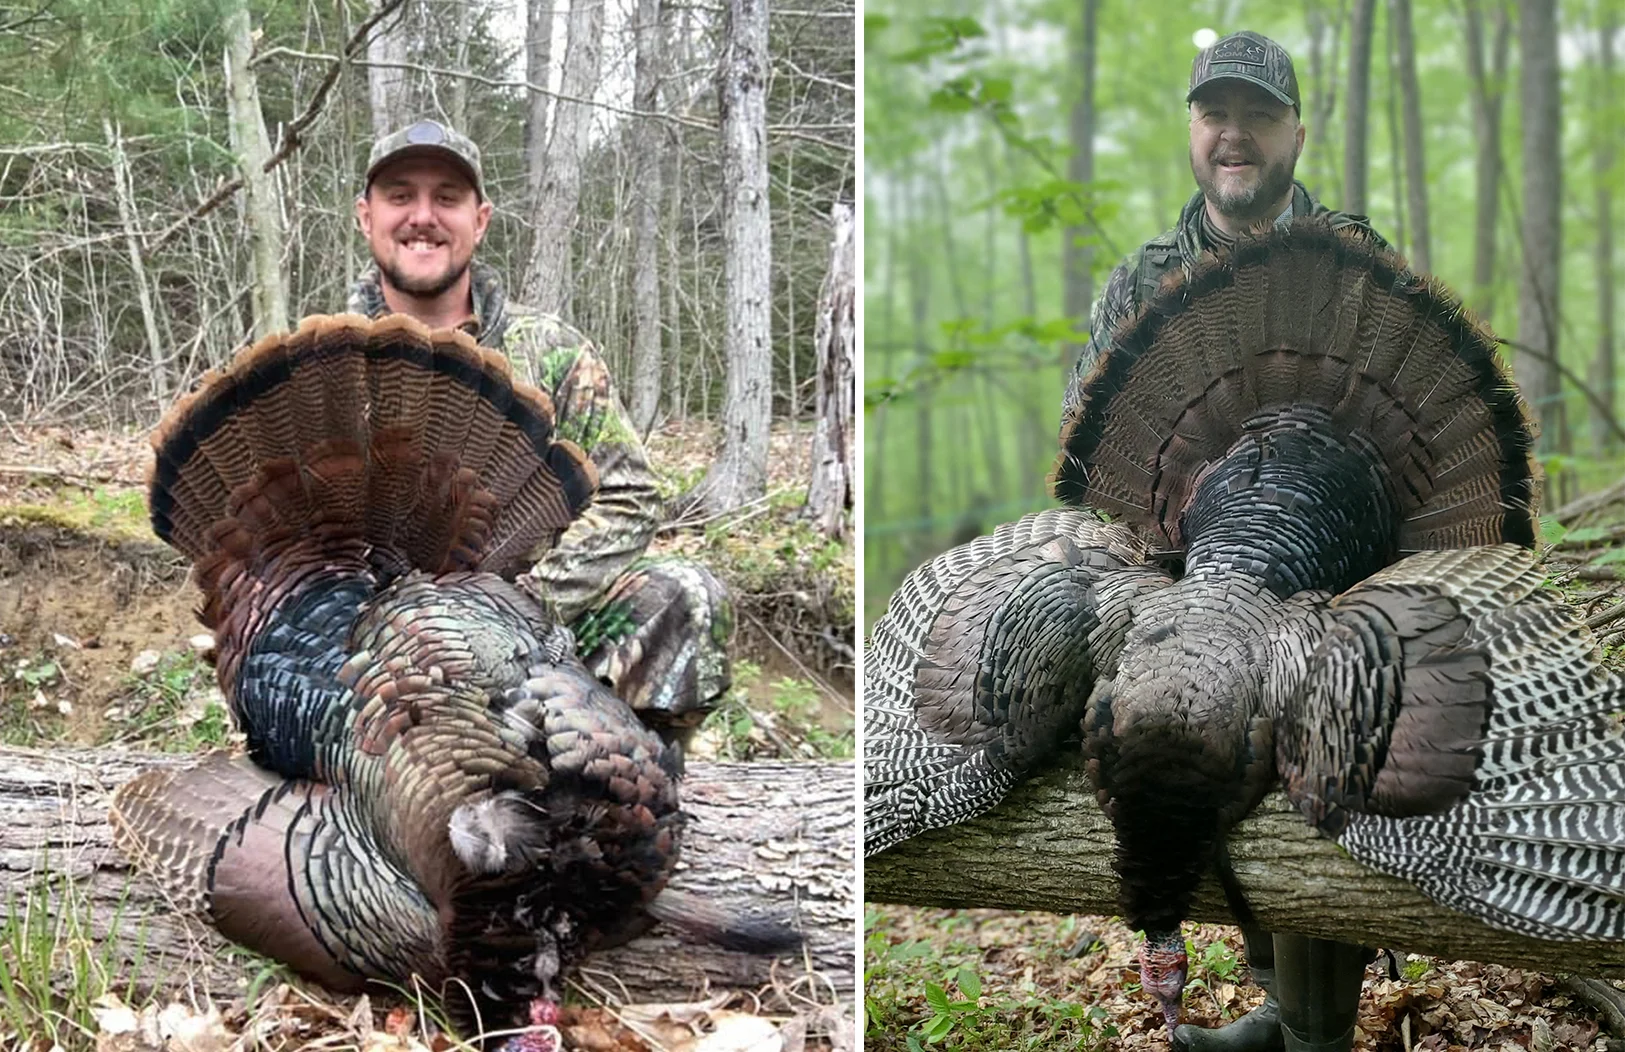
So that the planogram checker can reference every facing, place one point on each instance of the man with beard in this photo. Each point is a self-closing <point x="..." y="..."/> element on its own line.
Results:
<point x="1245" y="138"/>
<point x="654" y="630"/>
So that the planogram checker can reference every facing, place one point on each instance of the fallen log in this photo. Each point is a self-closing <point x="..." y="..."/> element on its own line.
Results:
<point x="1049" y="847"/>
<point x="766" y="838"/>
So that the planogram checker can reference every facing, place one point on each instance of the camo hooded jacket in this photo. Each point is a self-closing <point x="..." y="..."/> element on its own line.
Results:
<point x="609" y="537"/>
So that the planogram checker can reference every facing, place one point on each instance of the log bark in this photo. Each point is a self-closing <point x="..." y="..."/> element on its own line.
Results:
<point x="765" y="839"/>
<point x="1048" y="847"/>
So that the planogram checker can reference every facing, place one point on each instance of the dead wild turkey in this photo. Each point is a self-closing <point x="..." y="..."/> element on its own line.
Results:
<point x="1318" y="572"/>
<point x="435" y="785"/>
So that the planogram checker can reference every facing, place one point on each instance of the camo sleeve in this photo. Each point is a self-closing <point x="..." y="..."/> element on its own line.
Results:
<point x="1115" y="301"/>
<point x="617" y="526"/>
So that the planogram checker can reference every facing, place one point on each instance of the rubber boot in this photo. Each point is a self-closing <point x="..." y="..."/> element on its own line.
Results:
<point x="1317" y="983"/>
<point x="1258" y="1030"/>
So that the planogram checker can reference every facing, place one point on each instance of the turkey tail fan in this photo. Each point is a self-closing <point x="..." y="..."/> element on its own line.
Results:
<point x="416" y="443"/>
<point x="281" y="867"/>
<point x="983" y="664"/>
<point x="1321" y="320"/>
<point x="1455" y="728"/>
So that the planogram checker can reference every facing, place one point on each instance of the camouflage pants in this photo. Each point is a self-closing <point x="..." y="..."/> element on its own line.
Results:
<point x="659" y="638"/>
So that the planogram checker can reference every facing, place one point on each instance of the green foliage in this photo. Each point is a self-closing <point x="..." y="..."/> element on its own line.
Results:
<point x="54" y="965"/>
<point x="170" y="708"/>
<point x="1414" y="970"/>
<point x="757" y="718"/>
<point x="914" y="997"/>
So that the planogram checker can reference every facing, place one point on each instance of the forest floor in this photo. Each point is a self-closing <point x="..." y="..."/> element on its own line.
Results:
<point x="986" y="980"/>
<point x="99" y="646"/>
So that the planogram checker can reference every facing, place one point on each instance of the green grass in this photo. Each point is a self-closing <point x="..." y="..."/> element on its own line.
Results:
<point x="54" y="966"/>
<point x="793" y="712"/>
<point x="160" y="707"/>
<point x="917" y="995"/>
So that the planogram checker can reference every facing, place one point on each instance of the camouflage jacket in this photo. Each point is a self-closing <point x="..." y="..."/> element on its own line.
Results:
<point x="613" y="532"/>
<point x="1137" y="277"/>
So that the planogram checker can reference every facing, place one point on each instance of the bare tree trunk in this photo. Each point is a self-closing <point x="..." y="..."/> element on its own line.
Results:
<point x="646" y="166"/>
<point x="458" y="110"/>
<point x="558" y="183"/>
<point x="1540" y="103"/>
<point x="253" y="148"/>
<point x="1048" y="847"/>
<point x="1396" y="153"/>
<point x="1415" y="168"/>
<point x="538" y="62"/>
<point x="1077" y="257"/>
<point x="138" y="270"/>
<point x="834" y="337"/>
<point x="740" y="471"/>
<point x="386" y="87"/>
<point x="1603" y="154"/>
<point x="1488" y="89"/>
<point x="1323" y="69"/>
<point x="1354" y="126"/>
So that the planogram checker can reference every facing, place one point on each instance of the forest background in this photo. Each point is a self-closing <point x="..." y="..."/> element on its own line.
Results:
<point x="1016" y="151"/>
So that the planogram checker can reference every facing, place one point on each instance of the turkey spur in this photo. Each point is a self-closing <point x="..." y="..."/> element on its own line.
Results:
<point x="434" y="785"/>
<point x="1337" y="474"/>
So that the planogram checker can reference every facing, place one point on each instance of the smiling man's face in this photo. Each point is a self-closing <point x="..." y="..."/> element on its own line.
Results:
<point x="422" y="218"/>
<point x="1244" y="147"/>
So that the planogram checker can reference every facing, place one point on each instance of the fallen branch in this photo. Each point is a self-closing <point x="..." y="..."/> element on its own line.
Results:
<point x="80" y="478"/>
<point x="765" y="838"/>
<point x="1048" y="847"/>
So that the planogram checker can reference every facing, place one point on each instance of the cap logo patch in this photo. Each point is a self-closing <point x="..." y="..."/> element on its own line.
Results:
<point x="426" y="133"/>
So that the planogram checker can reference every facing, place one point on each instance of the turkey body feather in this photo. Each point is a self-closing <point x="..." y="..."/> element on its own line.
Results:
<point x="1334" y="448"/>
<point x="435" y="786"/>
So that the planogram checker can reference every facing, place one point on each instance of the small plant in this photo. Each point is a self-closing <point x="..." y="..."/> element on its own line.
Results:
<point x="166" y="709"/>
<point x="1415" y="968"/>
<point x="54" y="966"/>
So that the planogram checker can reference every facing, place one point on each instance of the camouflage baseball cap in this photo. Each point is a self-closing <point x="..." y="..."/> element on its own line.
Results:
<point x="1252" y="57"/>
<point x="427" y="138"/>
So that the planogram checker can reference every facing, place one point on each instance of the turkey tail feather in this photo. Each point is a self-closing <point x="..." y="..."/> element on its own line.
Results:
<point x="1306" y="317"/>
<point x="983" y="664"/>
<point x="280" y="866"/>
<point x="416" y="442"/>
<point x="1455" y="727"/>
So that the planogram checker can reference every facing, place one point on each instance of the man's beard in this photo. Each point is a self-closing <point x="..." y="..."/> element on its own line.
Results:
<point x="427" y="288"/>
<point x="1255" y="203"/>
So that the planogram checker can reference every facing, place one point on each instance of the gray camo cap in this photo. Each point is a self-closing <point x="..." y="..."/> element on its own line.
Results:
<point x="427" y="138"/>
<point x="1252" y="57"/>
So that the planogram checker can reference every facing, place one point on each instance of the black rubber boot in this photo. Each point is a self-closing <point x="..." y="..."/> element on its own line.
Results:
<point x="1317" y="984"/>
<point x="1258" y="1030"/>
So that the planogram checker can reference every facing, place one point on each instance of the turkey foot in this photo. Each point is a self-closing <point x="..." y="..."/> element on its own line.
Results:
<point x="544" y="1013"/>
